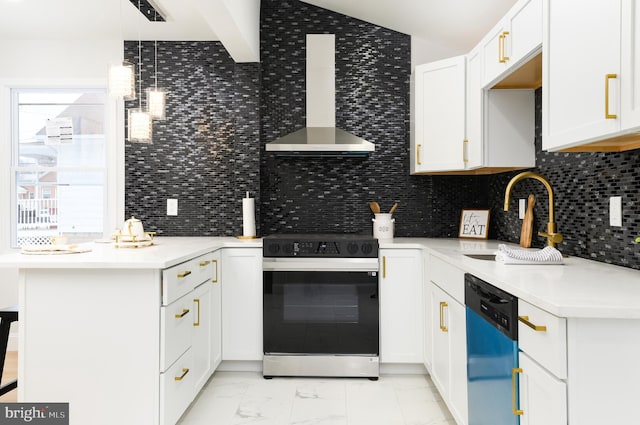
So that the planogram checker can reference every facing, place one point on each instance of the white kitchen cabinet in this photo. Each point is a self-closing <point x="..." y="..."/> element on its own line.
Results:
<point x="216" y="310"/>
<point x="590" y="72"/>
<point x="473" y="130"/>
<point x="438" y="116"/>
<point x="543" y="397"/>
<point x="449" y="336"/>
<point x="400" y="289"/>
<point x="513" y="41"/>
<point x="242" y="306"/>
<point x="202" y="336"/>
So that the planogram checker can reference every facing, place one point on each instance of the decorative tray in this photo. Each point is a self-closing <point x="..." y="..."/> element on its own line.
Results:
<point x="133" y="244"/>
<point x="54" y="249"/>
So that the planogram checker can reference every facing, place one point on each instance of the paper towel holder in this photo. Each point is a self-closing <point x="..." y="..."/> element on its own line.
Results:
<point x="253" y="230"/>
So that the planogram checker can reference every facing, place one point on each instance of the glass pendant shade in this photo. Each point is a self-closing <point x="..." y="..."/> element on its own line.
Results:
<point x="139" y="126"/>
<point x="157" y="102"/>
<point x="122" y="82"/>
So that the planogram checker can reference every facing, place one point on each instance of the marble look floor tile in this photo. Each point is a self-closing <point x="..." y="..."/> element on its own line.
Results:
<point x="238" y="398"/>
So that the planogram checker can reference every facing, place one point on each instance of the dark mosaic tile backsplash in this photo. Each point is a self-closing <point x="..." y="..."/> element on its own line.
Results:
<point x="373" y="67"/>
<point x="206" y="153"/>
<point x="210" y="150"/>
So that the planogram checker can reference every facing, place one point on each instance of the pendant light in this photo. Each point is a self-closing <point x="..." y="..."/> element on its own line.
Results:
<point x="140" y="129"/>
<point x="156" y="98"/>
<point x="122" y="77"/>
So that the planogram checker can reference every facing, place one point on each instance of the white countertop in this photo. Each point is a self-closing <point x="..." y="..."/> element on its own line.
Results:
<point x="165" y="252"/>
<point x="579" y="288"/>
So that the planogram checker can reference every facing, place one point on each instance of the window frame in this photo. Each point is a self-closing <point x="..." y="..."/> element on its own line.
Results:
<point x="113" y="171"/>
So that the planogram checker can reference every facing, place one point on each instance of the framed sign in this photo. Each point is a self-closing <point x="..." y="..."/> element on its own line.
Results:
<point x="474" y="224"/>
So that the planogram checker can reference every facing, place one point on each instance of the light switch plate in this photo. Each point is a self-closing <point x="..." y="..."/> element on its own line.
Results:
<point x="522" y="207"/>
<point x="172" y="207"/>
<point x="615" y="211"/>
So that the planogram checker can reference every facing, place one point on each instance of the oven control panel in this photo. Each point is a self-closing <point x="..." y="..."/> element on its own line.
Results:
<point x="345" y="246"/>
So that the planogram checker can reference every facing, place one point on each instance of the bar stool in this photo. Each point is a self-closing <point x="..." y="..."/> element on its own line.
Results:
<point x="7" y="316"/>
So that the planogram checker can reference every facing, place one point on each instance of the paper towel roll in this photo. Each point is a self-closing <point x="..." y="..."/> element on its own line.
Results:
<point x="248" y="217"/>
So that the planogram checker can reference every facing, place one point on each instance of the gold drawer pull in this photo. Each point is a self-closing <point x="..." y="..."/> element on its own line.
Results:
<point x="197" y="301"/>
<point x="184" y="274"/>
<point x="514" y="400"/>
<point x="607" y="115"/>
<point x="184" y="373"/>
<point x="503" y="38"/>
<point x="216" y="264"/>
<point x="443" y="305"/>
<point x="205" y="263"/>
<point x="185" y="311"/>
<point x="418" y="154"/>
<point x="538" y="328"/>
<point x="384" y="266"/>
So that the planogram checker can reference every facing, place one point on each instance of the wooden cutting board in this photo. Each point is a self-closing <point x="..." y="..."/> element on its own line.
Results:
<point x="527" y="223"/>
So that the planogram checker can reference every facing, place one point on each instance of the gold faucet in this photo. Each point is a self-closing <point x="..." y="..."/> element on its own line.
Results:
<point x="553" y="237"/>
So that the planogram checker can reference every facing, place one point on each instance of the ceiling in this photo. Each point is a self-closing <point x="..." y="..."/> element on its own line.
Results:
<point x="455" y="24"/>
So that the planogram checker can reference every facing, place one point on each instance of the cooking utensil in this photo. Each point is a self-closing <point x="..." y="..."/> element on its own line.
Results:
<point x="393" y="208"/>
<point x="375" y="207"/>
<point x="527" y="223"/>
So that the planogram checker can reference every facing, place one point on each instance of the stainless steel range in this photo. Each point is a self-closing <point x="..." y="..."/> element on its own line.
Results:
<point x="321" y="310"/>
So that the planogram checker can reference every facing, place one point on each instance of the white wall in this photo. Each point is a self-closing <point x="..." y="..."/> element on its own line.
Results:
<point x="69" y="63"/>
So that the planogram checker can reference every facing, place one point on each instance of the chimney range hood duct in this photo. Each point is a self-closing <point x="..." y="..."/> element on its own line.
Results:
<point x="320" y="137"/>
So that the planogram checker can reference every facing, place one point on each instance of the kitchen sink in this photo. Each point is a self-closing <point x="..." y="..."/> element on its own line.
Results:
<point x="486" y="257"/>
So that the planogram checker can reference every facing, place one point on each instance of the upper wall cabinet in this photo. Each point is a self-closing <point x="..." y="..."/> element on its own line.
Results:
<point x="591" y="74"/>
<point x="460" y="128"/>
<point x="512" y="41"/>
<point x="438" y="114"/>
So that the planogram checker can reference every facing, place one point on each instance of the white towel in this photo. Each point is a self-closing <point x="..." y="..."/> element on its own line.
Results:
<point x="547" y="255"/>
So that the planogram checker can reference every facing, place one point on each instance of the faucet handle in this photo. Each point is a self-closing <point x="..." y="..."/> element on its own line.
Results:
<point x="552" y="238"/>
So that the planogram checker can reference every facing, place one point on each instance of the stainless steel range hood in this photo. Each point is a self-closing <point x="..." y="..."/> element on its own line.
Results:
<point x="320" y="137"/>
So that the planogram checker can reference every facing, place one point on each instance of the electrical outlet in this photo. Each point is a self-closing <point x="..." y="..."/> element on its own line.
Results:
<point x="172" y="207"/>
<point x="522" y="207"/>
<point x="615" y="211"/>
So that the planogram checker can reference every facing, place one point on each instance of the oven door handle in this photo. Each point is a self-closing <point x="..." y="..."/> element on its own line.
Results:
<point x="320" y="264"/>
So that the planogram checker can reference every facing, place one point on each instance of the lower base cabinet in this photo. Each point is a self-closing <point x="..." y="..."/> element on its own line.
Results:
<point x="543" y="397"/>
<point x="400" y="295"/>
<point x="177" y="389"/>
<point x="242" y="306"/>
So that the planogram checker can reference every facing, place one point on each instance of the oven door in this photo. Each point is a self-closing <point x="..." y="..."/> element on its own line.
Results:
<point x="321" y="306"/>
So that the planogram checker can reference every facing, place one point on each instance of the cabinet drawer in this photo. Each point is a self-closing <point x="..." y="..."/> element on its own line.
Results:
<point x="547" y="343"/>
<point x="447" y="277"/>
<point x="179" y="280"/>
<point x="176" y="323"/>
<point x="176" y="389"/>
<point x="204" y="268"/>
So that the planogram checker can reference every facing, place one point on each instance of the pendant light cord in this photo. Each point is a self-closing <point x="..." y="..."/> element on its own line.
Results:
<point x="139" y="61"/>
<point x="155" y="53"/>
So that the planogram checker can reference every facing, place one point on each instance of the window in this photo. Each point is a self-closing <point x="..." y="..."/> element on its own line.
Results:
<point x="58" y="164"/>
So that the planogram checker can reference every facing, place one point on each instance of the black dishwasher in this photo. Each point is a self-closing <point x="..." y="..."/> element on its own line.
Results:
<point x="492" y="353"/>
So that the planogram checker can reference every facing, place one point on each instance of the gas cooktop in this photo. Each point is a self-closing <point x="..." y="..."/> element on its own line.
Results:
<point x="334" y="245"/>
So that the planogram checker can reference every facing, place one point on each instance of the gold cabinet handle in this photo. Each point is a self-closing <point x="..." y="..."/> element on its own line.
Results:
<point x="607" y="115"/>
<point x="465" y="149"/>
<point x="197" y="301"/>
<point x="538" y="328"/>
<point x="418" y="154"/>
<point x="215" y="262"/>
<point x="514" y="399"/>
<point x="384" y="266"/>
<point x="184" y="274"/>
<point x="443" y="328"/>
<point x="205" y="263"/>
<point x="500" y="47"/>
<point x="184" y="373"/>
<point x="185" y="311"/>
<point x="504" y="37"/>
